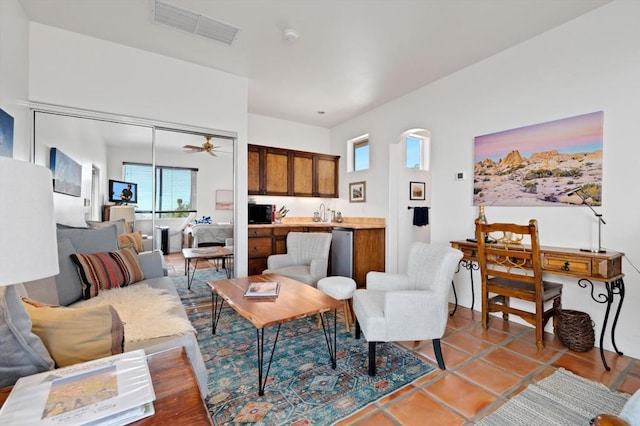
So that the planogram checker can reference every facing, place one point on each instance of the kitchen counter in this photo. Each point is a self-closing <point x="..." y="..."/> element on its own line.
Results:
<point x="348" y="222"/>
<point x="368" y="242"/>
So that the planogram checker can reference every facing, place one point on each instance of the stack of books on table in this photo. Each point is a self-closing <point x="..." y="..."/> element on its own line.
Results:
<point x="116" y="390"/>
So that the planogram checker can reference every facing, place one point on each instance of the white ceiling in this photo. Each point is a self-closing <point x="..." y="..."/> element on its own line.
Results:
<point x="352" y="55"/>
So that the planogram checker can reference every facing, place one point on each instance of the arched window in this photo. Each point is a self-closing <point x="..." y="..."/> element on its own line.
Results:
<point x="417" y="152"/>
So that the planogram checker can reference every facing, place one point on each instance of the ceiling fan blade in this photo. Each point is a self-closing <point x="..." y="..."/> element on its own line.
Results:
<point x="212" y="153"/>
<point x="193" y="147"/>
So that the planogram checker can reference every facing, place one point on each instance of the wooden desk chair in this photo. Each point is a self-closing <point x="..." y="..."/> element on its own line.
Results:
<point x="511" y="270"/>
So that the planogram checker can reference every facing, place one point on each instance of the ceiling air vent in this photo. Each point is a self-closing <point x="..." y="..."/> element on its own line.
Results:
<point x="186" y="20"/>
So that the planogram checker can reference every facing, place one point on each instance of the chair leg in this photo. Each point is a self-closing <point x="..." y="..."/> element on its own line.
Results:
<point x="357" y="329"/>
<point x="347" y="316"/>
<point x="539" y="324"/>
<point x="438" y="351"/>
<point x="372" y="359"/>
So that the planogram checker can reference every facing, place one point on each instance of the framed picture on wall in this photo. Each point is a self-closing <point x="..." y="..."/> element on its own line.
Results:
<point x="543" y="164"/>
<point x="6" y="134"/>
<point x="224" y="199"/>
<point x="67" y="174"/>
<point x="417" y="190"/>
<point x="357" y="192"/>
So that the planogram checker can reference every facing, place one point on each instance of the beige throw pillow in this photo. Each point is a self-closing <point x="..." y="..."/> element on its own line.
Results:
<point x="74" y="335"/>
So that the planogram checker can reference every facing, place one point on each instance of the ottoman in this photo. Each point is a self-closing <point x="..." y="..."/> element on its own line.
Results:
<point x="340" y="288"/>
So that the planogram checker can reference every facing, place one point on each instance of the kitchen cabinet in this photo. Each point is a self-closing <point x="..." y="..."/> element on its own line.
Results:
<point x="368" y="253"/>
<point x="282" y="172"/>
<point x="260" y="246"/>
<point x="368" y="247"/>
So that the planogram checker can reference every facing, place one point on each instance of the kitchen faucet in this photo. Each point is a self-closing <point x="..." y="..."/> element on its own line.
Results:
<point x="323" y="211"/>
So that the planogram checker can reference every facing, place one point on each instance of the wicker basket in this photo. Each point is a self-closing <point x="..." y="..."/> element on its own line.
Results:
<point x="575" y="330"/>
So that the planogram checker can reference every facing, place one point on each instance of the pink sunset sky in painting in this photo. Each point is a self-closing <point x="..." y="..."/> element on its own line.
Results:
<point x="579" y="134"/>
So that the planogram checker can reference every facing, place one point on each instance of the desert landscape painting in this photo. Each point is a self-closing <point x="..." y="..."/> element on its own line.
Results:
<point x="557" y="163"/>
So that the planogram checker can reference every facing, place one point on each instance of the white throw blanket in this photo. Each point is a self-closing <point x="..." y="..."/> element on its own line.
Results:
<point x="146" y="312"/>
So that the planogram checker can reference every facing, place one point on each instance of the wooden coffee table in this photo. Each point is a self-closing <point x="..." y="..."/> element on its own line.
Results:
<point x="295" y="300"/>
<point x="203" y="253"/>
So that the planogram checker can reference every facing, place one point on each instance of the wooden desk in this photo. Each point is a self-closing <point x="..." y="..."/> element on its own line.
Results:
<point x="585" y="266"/>
<point x="178" y="400"/>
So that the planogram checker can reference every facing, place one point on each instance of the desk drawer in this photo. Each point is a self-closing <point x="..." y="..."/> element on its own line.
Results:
<point x="567" y="265"/>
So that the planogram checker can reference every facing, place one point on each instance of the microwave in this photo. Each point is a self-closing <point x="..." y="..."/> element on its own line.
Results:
<point x="260" y="213"/>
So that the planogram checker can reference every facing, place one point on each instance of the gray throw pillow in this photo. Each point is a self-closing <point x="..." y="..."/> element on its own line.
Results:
<point x="120" y="225"/>
<point x="68" y="282"/>
<point x="23" y="353"/>
<point x="89" y="241"/>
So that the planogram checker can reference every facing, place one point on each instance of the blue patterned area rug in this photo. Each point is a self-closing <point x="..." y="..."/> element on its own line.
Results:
<point x="199" y="288"/>
<point x="302" y="388"/>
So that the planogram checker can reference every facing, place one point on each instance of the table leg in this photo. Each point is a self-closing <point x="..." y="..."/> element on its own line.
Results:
<point x="225" y="265"/>
<point x="612" y="288"/>
<point x="216" y="310"/>
<point x="262" y="380"/>
<point x="469" y="266"/>
<point x="192" y="274"/>
<point x="331" y="344"/>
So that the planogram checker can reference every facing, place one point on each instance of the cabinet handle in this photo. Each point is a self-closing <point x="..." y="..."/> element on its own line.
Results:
<point x="565" y="267"/>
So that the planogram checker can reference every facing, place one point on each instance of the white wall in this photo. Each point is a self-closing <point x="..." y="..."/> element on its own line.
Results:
<point x="73" y="70"/>
<point x="586" y="65"/>
<point x="14" y="73"/>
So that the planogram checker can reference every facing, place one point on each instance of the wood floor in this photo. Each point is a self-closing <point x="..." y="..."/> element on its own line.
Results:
<point x="484" y="369"/>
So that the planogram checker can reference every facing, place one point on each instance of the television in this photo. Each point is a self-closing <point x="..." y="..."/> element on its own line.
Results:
<point x="123" y="192"/>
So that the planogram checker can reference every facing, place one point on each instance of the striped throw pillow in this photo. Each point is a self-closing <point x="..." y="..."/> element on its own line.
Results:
<point x="127" y="259"/>
<point x="135" y="239"/>
<point x="107" y="270"/>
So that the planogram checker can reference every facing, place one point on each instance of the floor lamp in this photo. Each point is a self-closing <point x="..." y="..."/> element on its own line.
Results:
<point x="598" y="216"/>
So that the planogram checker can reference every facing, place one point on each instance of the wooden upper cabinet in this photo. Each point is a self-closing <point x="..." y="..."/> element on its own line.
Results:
<point x="253" y="165"/>
<point x="326" y="175"/>
<point x="276" y="171"/>
<point x="302" y="174"/>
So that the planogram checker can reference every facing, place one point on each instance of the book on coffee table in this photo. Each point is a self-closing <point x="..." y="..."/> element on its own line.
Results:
<point x="115" y="390"/>
<point x="263" y="289"/>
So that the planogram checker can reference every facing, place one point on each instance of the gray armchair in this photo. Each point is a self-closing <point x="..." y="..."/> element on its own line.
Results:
<point x="414" y="306"/>
<point x="307" y="257"/>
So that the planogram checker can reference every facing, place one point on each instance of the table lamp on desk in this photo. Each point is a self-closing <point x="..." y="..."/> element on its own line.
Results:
<point x="578" y="192"/>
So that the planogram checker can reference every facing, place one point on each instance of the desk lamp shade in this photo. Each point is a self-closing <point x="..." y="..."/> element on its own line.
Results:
<point x="28" y="247"/>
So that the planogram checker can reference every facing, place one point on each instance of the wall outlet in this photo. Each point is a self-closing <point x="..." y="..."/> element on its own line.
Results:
<point x="460" y="176"/>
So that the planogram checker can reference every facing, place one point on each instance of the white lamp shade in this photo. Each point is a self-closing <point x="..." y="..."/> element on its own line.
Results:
<point x="28" y="246"/>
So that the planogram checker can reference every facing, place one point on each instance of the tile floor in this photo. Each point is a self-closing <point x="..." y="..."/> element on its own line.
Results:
<point x="484" y="369"/>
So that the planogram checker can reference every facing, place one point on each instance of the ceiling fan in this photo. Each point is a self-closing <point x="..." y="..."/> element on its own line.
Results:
<point x="207" y="146"/>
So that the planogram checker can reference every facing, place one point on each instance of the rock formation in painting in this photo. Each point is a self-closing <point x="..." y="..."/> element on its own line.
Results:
<point x="543" y="178"/>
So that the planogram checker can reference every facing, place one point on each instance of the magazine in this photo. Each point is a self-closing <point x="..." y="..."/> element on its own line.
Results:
<point x="263" y="289"/>
<point x="115" y="390"/>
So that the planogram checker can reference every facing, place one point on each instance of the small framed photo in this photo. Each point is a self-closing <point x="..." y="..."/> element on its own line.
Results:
<point x="357" y="192"/>
<point x="416" y="190"/>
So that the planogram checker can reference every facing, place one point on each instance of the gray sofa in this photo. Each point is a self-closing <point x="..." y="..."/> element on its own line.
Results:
<point x="66" y="289"/>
